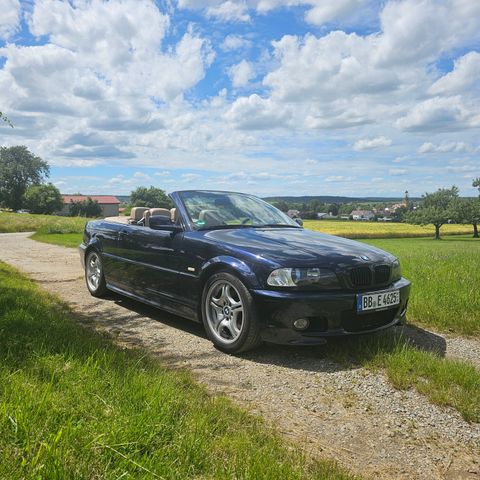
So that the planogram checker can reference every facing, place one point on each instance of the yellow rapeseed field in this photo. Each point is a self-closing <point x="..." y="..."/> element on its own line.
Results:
<point x="359" y="229"/>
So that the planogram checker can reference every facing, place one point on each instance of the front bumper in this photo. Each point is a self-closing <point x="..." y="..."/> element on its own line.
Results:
<point x="329" y="313"/>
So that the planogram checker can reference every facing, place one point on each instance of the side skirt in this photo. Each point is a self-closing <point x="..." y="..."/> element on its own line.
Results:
<point x="170" y="307"/>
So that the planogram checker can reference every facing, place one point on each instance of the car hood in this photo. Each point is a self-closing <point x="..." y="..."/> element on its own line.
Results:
<point x="298" y="247"/>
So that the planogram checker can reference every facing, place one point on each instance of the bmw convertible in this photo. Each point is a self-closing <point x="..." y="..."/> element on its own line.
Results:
<point x="245" y="270"/>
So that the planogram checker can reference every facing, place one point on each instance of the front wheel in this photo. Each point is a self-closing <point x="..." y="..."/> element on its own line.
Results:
<point x="94" y="275"/>
<point x="228" y="314"/>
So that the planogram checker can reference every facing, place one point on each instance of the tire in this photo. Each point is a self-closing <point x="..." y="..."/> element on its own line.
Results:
<point x="228" y="314"/>
<point x="94" y="277"/>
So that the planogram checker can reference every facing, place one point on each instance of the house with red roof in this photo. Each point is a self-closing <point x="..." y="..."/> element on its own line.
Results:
<point x="109" y="203"/>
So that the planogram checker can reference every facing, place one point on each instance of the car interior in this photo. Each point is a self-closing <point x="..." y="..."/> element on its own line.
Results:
<point x="141" y="216"/>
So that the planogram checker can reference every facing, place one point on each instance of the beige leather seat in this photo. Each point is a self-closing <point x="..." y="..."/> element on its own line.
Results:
<point x="137" y="213"/>
<point x="147" y="216"/>
<point x="211" y="218"/>
<point x="173" y="215"/>
<point x="160" y="211"/>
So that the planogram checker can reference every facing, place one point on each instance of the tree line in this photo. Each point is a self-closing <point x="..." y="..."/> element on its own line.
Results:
<point x="23" y="185"/>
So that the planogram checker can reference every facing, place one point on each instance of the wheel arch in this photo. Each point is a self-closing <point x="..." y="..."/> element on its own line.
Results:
<point x="93" y="245"/>
<point x="230" y="265"/>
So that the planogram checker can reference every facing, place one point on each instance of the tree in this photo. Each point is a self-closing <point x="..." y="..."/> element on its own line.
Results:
<point x="43" y="199"/>
<point x="467" y="210"/>
<point x="436" y="208"/>
<point x="333" y="209"/>
<point x="19" y="169"/>
<point x="281" y="205"/>
<point x="476" y="183"/>
<point x="150" y="197"/>
<point x="5" y="119"/>
<point x="85" y="208"/>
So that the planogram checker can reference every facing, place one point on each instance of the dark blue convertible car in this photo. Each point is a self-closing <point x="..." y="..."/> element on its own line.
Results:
<point x="244" y="269"/>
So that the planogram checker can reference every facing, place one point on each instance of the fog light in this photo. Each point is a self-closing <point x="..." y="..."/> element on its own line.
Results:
<point x="301" y="323"/>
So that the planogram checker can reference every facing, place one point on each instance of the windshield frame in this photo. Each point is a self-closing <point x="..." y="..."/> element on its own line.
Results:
<point x="179" y="196"/>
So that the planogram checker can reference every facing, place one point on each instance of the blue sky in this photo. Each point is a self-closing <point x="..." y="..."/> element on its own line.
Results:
<point x="272" y="97"/>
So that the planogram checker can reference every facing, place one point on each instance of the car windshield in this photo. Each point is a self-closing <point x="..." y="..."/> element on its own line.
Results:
<point x="215" y="210"/>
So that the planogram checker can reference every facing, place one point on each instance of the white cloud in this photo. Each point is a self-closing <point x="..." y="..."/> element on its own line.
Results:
<point x="371" y="143"/>
<point x="190" y="177"/>
<point x="257" y="113"/>
<point x="338" y="178"/>
<point x="445" y="147"/>
<point x="327" y="10"/>
<point x="466" y="74"/>
<point x="229" y="11"/>
<point x="142" y="176"/>
<point x="100" y="69"/>
<point x="9" y="18"/>
<point x="440" y="113"/>
<point x="396" y="172"/>
<point x="420" y="30"/>
<point x="241" y="73"/>
<point x="235" y="42"/>
<point x="318" y="12"/>
<point x="110" y="47"/>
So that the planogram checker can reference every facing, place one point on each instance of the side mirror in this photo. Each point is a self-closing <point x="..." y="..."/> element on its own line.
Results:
<point x="299" y="221"/>
<point x="162" y="222"/>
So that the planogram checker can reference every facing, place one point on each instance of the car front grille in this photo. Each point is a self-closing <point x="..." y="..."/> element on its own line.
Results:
<point x="361" y="276"/>
<point x="382" y="274"/>
<point x="367" y="276"/>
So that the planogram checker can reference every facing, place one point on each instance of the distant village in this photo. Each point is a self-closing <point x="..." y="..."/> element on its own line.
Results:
<point x="358" y="211"/>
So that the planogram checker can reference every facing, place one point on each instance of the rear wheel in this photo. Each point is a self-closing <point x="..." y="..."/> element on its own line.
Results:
<point x="94" y="274"/>
<point x="228" y="313"/>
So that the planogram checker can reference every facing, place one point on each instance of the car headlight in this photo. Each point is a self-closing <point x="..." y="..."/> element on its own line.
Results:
<point x="298" y="277"/>
<point x="396" y="271"/>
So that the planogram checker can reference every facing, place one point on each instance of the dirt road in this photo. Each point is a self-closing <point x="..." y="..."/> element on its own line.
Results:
<point x="346" y="413"/>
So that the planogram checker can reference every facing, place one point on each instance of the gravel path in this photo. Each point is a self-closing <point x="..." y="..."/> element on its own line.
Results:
<point x="350" y="414"/>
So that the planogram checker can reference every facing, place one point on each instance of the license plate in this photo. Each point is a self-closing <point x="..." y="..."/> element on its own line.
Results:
<point x="377" y="300"/>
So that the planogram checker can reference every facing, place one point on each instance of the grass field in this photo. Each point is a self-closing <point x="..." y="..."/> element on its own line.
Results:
<point x="444" y="381"/>
<point x="73" y="405"/>
<point x="446" y="281"/>
<point x="15" y="222"/>
<point x="71" y="240"/>
<point x="381" y="229"/>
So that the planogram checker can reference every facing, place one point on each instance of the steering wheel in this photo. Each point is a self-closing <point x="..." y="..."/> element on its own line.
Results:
<point x="246" y="220"/>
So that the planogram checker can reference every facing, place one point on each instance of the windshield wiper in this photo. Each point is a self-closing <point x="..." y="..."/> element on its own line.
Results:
<point x="222" y="227"/>
<point x="275" y="225"/>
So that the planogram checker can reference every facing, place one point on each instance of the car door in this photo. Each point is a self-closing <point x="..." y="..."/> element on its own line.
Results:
<point x="106" y="235"/>
<point x="152" y="265"/>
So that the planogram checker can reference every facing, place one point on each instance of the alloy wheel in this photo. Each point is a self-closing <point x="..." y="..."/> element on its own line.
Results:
<point x="224" y="311"/>
<point x="94" y="272"/>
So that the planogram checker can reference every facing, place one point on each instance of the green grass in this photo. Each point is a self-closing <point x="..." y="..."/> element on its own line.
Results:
<point x="358" y="229"/>
<point x="71" y="240"/>
<point x="73" y="405"/>
<point x="443" y="381"/>
<point x="15" y="222"/>
<point x="446" y="281"/>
